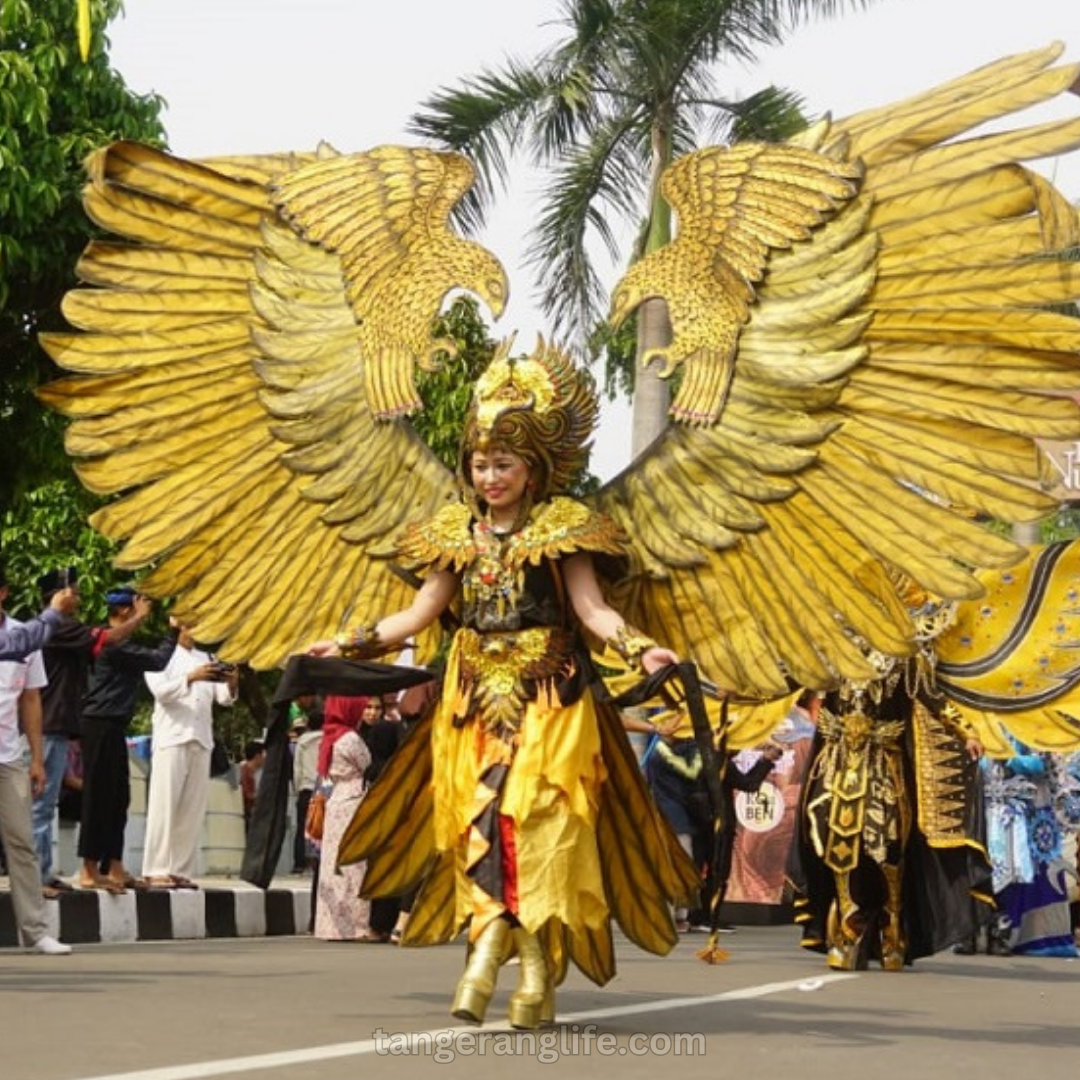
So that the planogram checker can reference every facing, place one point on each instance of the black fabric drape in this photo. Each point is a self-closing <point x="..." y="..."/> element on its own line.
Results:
<point x="688" y="693"/>
<point x="305" y="675"/>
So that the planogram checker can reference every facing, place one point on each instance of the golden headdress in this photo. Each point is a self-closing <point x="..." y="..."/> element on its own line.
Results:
<point x="542" y="408"/>
<point x="931" y="615"/>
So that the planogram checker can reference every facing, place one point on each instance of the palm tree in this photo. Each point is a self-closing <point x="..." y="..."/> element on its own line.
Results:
<point x="631" y="86"/>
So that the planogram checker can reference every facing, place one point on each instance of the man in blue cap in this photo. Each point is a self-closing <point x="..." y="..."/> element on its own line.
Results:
<point x="68" y="656"/>
<point x="115" y="680"/>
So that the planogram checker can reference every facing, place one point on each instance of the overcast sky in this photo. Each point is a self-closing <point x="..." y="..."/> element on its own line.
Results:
<point x="262" y="75"/>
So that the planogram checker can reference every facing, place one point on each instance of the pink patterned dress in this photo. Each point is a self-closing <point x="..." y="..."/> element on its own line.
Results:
<point x="340" y="914"/>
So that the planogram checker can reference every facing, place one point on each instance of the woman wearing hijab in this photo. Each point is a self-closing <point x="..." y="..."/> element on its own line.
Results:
<point x="344" y="759"/>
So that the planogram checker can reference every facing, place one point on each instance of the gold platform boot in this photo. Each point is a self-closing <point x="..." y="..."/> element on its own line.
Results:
<point x="845" y="931"/>
<point x="481" y="972"/>
<point x="893" y="945"/>
<point x="533" y="1002"/>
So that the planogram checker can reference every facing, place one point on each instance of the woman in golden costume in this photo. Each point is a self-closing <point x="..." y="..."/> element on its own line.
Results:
<point x="521" y="749"/>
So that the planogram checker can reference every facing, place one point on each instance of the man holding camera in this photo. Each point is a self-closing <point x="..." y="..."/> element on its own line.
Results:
<point x="20" y="716"/>
<point x="68" y="655"/>
<point x="183" y="737"/>
<point x="109" y="705"/>
<point x="19" y="640"/>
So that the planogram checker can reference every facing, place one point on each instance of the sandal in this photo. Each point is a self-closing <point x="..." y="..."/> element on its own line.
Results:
<point x="372" y="937"/>
<point x="165" y="882"/>
<point x="104" y="884"/>
<point x="179" y="882"/>
<point x="129" y="881"/>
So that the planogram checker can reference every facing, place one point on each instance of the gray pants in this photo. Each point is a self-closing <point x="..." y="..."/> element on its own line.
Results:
<point x="18" y="838"/>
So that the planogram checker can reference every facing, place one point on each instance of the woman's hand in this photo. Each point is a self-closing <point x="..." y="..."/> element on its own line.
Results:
<point x="329" y="647"/>
<point x="670" y="726"/>
<point x="657" y="657"/>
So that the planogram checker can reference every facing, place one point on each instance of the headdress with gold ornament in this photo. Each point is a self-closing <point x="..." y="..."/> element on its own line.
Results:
<point x="930" y="614"/>
<point x="541" y="407"/>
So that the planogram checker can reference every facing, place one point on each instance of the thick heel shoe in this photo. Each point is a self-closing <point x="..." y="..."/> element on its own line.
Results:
<point x="533" y="1002"/>
<point x="481" y="972"/>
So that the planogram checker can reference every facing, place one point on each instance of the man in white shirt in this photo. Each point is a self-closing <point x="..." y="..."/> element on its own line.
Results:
<point x="20" y="704"/>
<point x="305" y="773"/>
<point x="183" y="737"/>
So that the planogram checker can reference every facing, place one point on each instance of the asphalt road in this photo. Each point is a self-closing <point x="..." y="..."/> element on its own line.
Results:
<point x="292" y="1008"/>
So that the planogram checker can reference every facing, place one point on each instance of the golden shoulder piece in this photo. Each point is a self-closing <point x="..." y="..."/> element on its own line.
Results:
<point x="931" y="615"/>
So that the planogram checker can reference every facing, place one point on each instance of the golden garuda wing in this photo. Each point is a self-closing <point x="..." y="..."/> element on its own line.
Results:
<point x="241" y="364"/>
<point x="1011" y="660"/>
<point x="868" y="327"/>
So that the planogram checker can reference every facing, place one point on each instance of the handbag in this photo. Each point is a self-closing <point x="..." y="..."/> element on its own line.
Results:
<point x="219" y="759"/>
<point x="315" y="818"/>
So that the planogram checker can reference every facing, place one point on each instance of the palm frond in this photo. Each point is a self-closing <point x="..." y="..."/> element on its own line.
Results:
<point x="621" y="67"/>
<point x="484" y="119"/>
<point x="771" y="115"/>
<point x="606" y="175"/>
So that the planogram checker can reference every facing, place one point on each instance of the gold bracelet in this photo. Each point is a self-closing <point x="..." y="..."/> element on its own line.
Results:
<point x="361" y="644"/>
<point x="630" y="643"/>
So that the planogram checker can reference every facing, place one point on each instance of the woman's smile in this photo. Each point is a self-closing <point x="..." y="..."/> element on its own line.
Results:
<point x="500" y="477"/>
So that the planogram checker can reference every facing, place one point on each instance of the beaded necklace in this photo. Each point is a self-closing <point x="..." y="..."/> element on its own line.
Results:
<point x="490" y="579"/>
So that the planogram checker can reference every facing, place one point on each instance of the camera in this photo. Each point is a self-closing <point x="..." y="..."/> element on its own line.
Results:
<point x="221" y="670"/>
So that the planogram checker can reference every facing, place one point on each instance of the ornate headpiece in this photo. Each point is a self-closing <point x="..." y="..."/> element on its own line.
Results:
<point x="540" y="407"/>
<point x="930" y="614"/>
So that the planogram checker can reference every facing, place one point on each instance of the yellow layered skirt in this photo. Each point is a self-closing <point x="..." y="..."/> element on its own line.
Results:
<point x="589" y="843"/>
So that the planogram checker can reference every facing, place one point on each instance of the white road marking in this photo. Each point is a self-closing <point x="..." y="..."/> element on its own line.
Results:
<point x="231" y="1066"/>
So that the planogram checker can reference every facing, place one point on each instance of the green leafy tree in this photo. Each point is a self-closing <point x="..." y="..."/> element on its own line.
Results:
<point x="48" y="528"/>
<point x="446" y="393"/>
<point x="54" y="110"/>
<point x="632" y="85"/>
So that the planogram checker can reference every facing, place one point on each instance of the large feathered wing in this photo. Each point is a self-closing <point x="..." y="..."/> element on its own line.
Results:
<point x="245" y="344"/>
<point x="1011" y="660"/>
<point x="893" y="354"/>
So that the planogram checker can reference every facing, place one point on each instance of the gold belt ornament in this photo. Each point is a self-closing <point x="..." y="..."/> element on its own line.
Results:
<point x="858" y="748"/>
<point x="497" y="667"/>
<point x="855" y="729"/>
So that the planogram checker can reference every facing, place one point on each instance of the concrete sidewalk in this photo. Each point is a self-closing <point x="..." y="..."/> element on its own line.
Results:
<point x="220" y="907"/>
<point x="223" y="906"/>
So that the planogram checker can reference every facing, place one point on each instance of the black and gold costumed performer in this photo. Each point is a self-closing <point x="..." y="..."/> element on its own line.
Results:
<point x="890" y="828"/>
<point x="869" y="327"/>
<point x="892" y="841"/>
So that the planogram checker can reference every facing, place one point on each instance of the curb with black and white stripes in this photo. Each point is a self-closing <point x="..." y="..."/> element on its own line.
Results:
<point x="90" y="916"/>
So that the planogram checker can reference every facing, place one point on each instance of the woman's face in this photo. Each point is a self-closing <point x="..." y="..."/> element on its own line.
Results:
<point x="372" y="711"/>
<point x="499" y="477"/>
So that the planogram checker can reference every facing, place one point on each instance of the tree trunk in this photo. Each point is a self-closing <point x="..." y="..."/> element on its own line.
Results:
<point x="651" y="397"/>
